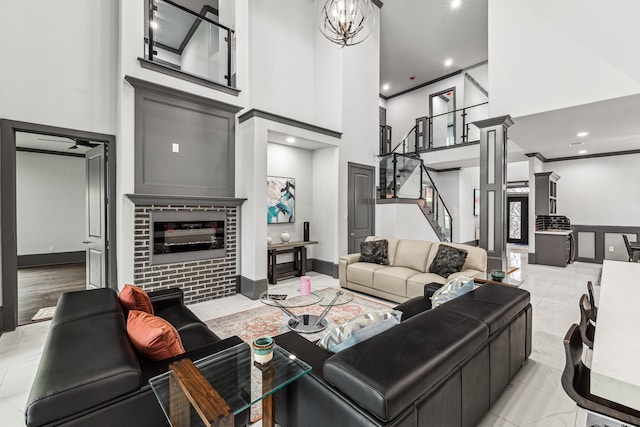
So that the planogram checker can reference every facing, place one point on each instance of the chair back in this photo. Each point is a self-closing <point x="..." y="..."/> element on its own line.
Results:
<point x="629" y="250"/>
<point x="576" y="382"/>
<point x="592" y="301"/>
<point x="574" y="369"/>
<point x="587" y="330"/>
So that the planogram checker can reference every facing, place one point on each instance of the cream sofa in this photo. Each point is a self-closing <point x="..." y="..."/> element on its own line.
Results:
<point x="408" y="269"/>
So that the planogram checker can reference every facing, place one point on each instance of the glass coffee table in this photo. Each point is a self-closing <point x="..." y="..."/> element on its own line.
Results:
<point x="308" y="323"/>
<point x="513" y="279"/>
<point x="212" y="390"/>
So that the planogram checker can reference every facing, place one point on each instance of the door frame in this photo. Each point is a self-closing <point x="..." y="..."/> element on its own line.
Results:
<point x="8" y="231"/>
<point x="350" y="214"/>
<point x="524" y="218"/>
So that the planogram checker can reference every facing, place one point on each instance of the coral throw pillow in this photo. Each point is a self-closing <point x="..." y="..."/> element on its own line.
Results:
<point x="153" y="337"/>
<point x="134" y="298"/>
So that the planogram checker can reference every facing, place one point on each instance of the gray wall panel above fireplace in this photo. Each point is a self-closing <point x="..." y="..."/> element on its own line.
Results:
<point x="204" y="129"/>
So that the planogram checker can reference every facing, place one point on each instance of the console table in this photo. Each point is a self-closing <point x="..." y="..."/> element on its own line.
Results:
<point x="614" y="365"/>
<point x="299" y="251"/>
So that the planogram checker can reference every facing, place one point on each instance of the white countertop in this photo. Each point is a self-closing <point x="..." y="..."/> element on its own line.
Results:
<point x="615" y="365"/>
<point x="555" y="232"/>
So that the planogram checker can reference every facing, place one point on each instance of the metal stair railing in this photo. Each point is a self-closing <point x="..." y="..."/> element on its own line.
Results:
<point x="405" y="177"/>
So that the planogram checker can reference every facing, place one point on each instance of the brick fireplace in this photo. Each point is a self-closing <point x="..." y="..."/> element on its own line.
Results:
<point x="200" y="280"/>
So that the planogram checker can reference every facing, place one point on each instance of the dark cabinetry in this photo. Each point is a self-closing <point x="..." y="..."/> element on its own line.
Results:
<point x="546" y="193"/>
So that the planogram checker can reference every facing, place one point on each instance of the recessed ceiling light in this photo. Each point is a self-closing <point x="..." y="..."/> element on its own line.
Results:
<point x="385" y="86"/>
<point x="448" y="62"/>
<point x="154" y="25"/>
<point x="456" y="4"/>
<point x="573" y="144"/>
<point x="582" y="134"/>
<point x="291" y="140"/>
<point x="582" y="152"/>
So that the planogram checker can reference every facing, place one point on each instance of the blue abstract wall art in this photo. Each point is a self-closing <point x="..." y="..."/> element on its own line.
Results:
<point x="281" y="200"/>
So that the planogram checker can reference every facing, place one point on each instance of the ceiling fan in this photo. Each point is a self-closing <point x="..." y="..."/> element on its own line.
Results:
<point x="76" y="142"/>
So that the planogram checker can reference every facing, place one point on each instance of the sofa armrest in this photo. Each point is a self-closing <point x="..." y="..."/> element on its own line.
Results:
<point x="351" y="258"/>
<point x="343" y="262"/>
<point x="166" y="297"/>
<point x="431" y="288"/>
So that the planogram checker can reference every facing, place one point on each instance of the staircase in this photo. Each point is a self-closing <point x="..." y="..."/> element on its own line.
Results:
<point x="405" y="178"/>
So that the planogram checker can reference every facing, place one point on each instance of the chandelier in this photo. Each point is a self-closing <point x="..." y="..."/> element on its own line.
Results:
<point x="346" y="22"/>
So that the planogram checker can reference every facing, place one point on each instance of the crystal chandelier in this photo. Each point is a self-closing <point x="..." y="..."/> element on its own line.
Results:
<point x="346" y="22"/>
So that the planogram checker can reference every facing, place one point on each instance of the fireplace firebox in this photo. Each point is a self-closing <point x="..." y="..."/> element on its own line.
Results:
<point x="186" y="236"/>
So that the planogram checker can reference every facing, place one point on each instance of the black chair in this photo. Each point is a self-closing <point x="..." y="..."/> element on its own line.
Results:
<point x="587" y="330"/>
<point x="576" y="381"/>
<point x="592" y="301"/>
<point x="629" y="250"/>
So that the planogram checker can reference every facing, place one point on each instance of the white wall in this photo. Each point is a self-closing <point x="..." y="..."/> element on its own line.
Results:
<point x="360" y="116"/>
<point x="599" y="191"/>
<point x="50" y="198"/>
<point x="324" y="218"/>
<point x="518" y="171"/>
<point x="410" y="223"/>
<point x="72" y="85"/>
<point x="467" y="222"/>
<point x="282" y="57"/>
<point x="550" y="54"/>
<point x="404" y="109"/>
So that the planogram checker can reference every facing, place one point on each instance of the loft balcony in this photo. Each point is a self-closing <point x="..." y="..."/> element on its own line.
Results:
<point x="190" y="45"/>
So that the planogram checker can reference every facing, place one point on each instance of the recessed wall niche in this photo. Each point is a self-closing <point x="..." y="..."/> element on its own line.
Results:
<point x="184" y="143"/>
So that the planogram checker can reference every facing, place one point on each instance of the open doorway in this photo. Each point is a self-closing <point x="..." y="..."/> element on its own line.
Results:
<point x="56" y="222"/>
<point x="51" y="178"/>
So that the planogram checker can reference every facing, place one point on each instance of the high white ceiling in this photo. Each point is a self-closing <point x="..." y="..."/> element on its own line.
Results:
<point x="417" y="36"/>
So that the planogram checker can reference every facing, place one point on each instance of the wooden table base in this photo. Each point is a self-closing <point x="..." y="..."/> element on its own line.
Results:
<point x="188" y="387"/>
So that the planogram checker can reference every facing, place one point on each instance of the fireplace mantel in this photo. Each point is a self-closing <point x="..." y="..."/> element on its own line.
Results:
<point x="162" y="199"/>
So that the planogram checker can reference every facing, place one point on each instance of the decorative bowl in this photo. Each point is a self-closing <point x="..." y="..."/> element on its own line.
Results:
<point x="497" y="275"/>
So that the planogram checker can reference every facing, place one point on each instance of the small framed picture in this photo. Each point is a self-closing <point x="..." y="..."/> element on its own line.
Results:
<point x="476" y="202"/>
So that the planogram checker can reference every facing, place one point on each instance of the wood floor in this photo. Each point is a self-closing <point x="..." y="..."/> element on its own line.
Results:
<point x="40" y="287"/>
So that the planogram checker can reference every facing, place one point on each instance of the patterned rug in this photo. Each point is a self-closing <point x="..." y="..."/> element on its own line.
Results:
<point x="271" y="321"/>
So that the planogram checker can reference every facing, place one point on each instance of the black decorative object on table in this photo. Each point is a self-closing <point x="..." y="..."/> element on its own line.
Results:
<point x="306" y="231"/>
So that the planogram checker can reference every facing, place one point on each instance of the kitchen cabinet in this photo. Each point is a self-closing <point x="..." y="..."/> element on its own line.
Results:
<point x="546" y="193"/>
<point x="554" y="247"/>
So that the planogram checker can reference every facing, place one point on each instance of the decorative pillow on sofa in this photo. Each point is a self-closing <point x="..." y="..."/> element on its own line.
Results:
<point x="448" y="260"/>
<point x="451" y="290"/>
<point x="375" y="251"/>
<point x="134" y="298"/>
<point x="153" y="337"/>
<point x="358" y="329"/>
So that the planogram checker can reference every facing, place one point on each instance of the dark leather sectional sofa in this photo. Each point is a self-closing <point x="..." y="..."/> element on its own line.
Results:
<point x="439" y="367"/>
<point x="90" y="375"/>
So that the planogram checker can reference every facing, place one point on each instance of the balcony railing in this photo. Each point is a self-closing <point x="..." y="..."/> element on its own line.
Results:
<point x="191" y="42"/>
<point x="443" y="130"/>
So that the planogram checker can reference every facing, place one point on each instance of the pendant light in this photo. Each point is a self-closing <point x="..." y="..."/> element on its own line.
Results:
<point x="345" y="22"/>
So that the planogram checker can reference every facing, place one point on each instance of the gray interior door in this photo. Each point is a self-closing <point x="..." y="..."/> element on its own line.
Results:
<point x="362" y="208"/>
<point x="96" y="241"/>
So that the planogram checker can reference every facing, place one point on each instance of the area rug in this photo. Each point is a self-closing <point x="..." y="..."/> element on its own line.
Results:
<point x="271" y="321"/>
<point x="44" y="314"/>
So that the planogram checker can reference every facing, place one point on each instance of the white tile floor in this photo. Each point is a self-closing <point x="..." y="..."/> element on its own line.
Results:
<point x="534" y="398"/>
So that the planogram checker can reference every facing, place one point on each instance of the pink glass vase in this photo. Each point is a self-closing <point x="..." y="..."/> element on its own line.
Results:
<point x="305" y="285"/>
